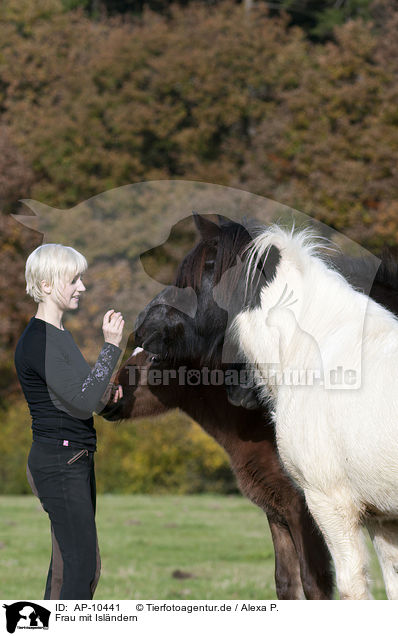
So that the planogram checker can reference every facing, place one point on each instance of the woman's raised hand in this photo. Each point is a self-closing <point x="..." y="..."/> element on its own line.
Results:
<point x="112" y="326"/>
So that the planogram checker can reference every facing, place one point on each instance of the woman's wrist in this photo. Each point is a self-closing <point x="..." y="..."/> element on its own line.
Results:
<point x="113" y="343"/>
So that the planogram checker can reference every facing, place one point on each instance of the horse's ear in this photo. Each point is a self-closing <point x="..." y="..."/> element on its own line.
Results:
<point x="223" y="220"/>
<point x="207" y="229"/>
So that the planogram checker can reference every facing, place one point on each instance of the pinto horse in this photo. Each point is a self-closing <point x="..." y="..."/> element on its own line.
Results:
<point x="172" y="340"/>
<point x="344" y="485"/>
<point x="339" y="445"/>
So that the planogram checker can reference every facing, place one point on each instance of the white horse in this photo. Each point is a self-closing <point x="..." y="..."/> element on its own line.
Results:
<point x="340" y="445"/>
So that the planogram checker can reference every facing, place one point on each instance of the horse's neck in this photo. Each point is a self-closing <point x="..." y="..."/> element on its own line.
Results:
<point x="329" y="319"/>
<point x="299" y="315"/>
<point x="209" y="407"/>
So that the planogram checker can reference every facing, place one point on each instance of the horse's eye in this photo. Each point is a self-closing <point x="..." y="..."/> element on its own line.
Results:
<point x="154" y="358"/>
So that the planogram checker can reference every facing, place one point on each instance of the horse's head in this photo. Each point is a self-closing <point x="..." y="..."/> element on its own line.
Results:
<point x="187" y="322"/>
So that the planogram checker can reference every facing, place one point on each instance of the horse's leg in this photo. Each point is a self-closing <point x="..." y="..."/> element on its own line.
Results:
<point x="384" y="535"/>
<point x="287" y="567"/>
<point x="338" y="520"/>
<point x="313" y="554"/>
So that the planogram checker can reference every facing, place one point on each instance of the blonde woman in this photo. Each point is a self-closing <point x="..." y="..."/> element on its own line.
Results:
<point x="62" y="392"/>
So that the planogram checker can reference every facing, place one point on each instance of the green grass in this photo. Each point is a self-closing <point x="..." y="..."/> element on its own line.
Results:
<point x="223" y="542"/>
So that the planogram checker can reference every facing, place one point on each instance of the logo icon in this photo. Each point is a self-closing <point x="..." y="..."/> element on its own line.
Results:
<point x="26" y="615"/>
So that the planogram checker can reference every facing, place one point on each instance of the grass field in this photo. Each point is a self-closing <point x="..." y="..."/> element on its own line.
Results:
<point x="222" y="544"/>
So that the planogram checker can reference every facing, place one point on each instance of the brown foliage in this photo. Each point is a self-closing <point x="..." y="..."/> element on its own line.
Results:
<point x="15" y="175"/>
<point x="15" y="180"/>
<point x="212" y="95"/>
<point x="209" y="95"/>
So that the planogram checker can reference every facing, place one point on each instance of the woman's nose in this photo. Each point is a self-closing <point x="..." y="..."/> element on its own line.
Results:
<point x="81" y="286"/>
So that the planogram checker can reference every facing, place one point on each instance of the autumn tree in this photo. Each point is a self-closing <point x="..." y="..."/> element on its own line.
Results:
<point x="16" y="178"/>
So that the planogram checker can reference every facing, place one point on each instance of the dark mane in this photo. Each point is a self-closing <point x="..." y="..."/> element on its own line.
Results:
<point x="385" y="285"/>
<point x="387" y="274"/>
<point x="360" y="273"/>
<point x="221" y="252"/>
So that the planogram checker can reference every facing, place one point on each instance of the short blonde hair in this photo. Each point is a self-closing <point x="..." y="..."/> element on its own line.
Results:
<point x="54" y="263"/>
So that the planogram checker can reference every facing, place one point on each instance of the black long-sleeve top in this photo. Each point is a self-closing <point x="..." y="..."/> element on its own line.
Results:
<point x="61" y="389"/>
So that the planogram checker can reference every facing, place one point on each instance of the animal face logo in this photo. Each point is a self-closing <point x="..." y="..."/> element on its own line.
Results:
<point x="115" y="228"/>
<point x="26" y="615"/>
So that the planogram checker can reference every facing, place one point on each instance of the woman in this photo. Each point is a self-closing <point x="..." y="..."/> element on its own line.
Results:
<point x="62" y="392"/>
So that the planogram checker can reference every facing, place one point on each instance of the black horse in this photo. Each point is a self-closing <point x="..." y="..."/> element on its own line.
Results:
<point x="173" y="340"/>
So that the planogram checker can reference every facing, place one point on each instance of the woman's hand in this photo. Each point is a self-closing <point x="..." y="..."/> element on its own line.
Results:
<point x="112" y="327"/>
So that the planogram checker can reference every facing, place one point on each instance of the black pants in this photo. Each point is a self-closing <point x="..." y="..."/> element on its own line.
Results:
<point x="67" y="493"/>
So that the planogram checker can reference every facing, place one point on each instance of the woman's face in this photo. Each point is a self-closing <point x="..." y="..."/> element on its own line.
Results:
<point x="70" y="292"/>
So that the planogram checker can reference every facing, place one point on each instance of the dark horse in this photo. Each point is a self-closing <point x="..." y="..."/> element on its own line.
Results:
<point x="174" y="339"/>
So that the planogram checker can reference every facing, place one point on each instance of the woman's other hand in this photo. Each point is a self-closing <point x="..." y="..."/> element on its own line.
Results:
<point x="112" y="327"/>
<point x="119" y="393"/>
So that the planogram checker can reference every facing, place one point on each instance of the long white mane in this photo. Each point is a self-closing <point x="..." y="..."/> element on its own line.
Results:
<point x="301" y="299"/>
<point x="298" y="246"/>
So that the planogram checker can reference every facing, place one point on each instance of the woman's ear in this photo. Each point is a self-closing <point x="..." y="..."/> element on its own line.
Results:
<point x="46" y="287"/>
